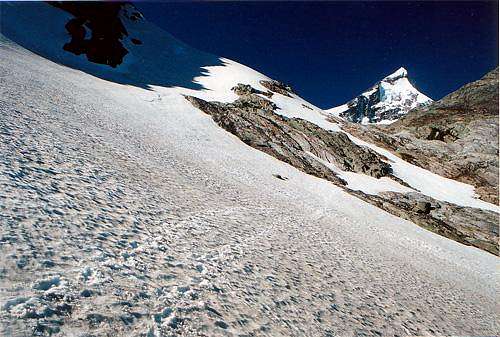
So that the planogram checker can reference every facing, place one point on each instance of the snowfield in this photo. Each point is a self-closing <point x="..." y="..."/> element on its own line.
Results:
<point x="126" y="211"/>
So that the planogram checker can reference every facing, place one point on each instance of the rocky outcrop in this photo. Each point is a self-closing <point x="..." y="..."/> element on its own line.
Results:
<point x="304" y="145"/>
<point x="278" y="87"/>
<point x="294" y="141"/>
<point x="452" y="114"/>
<point x="470" y="226"/>
<point x="386" y="101"/>
<point x="247" y="90"/>
<point x="456" y="137"/>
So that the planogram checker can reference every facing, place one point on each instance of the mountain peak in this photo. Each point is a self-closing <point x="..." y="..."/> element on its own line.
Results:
<point x="385" y="102"/>
<point x="400" y="73"/>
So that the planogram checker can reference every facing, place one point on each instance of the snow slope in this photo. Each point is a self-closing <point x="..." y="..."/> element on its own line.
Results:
<point x="221" y="79"/>
<point x="124" y="188"/>
<point x="213" y="81"/>
<point x="383" y="103"/>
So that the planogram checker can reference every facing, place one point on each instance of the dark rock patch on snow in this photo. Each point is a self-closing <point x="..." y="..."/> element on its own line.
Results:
<point x="278" y="87"/>
<point x="103" y="43"/>
<point x="467" y="225"/>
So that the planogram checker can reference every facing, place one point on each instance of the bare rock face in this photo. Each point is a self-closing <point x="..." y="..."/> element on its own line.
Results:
<point x="456" y="137"/>
<point x="469" y="110"/>
<point x="295" y="141"/>
<point x="470" y="226"/>
<point x="278" y="87"/>
<point x="247" y="90"/>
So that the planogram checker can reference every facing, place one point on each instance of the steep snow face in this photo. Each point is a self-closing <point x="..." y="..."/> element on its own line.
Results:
<point x="157" y="60"/>
<point x="134" y="199"/>
<point x="139" y="213"/>
<point x="160" y="62"/>
<point x="383" y="103"/>
<point x="177" y="69"/>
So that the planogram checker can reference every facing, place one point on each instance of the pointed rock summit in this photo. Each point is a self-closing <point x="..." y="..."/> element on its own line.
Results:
<point x="383" y="103"/>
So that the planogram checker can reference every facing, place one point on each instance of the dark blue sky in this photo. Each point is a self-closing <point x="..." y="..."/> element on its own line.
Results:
<point x="331" y="51"/>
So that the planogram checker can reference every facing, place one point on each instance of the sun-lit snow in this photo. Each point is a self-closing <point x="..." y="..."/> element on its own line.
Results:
<point x="216" y="80"/>
<point x="401" y="72"/>
<point x="386" y="121"/>
<point x="336" y="111"/>
<point x="429" y="183"/>
<point x="220" y="79"/>
<point x="158" y="170"/>
<point x="394" y="92"/>
<point x="369" y="92"/>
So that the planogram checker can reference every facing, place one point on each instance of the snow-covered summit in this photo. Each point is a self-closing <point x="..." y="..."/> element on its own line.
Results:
<point x="400" y="73"/>
<point x="385" y="102"/>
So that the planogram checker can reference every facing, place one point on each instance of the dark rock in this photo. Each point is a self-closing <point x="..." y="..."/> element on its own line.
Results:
<point x="75" y="28"/>
<point x="162" y="315"/>
<point x="47" y="284"/>
<point x="254" y="103"/>
<point x="278" y="87"/>
<point x="86" y="293"/>
<point x="48" y="263"/>
<point x="127" y="319"/>
<point x="212" y="311"/>
<point x="95" y="319"/>
<point x="45" y="328"/>
<point x="221" y="324"/>
<point x="247" y="90"/>
<point x="445" y="135"/>
<point x="106" y="30"/>
<point x="422" y="207"/>
<point x="63" y="309"/>
<point x="176" y="322"/>
<point x="22" y="262"/>
<point x="467" y="225"/>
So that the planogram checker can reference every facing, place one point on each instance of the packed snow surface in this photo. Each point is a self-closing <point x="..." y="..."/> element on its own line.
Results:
<point x="127" y="211"/>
